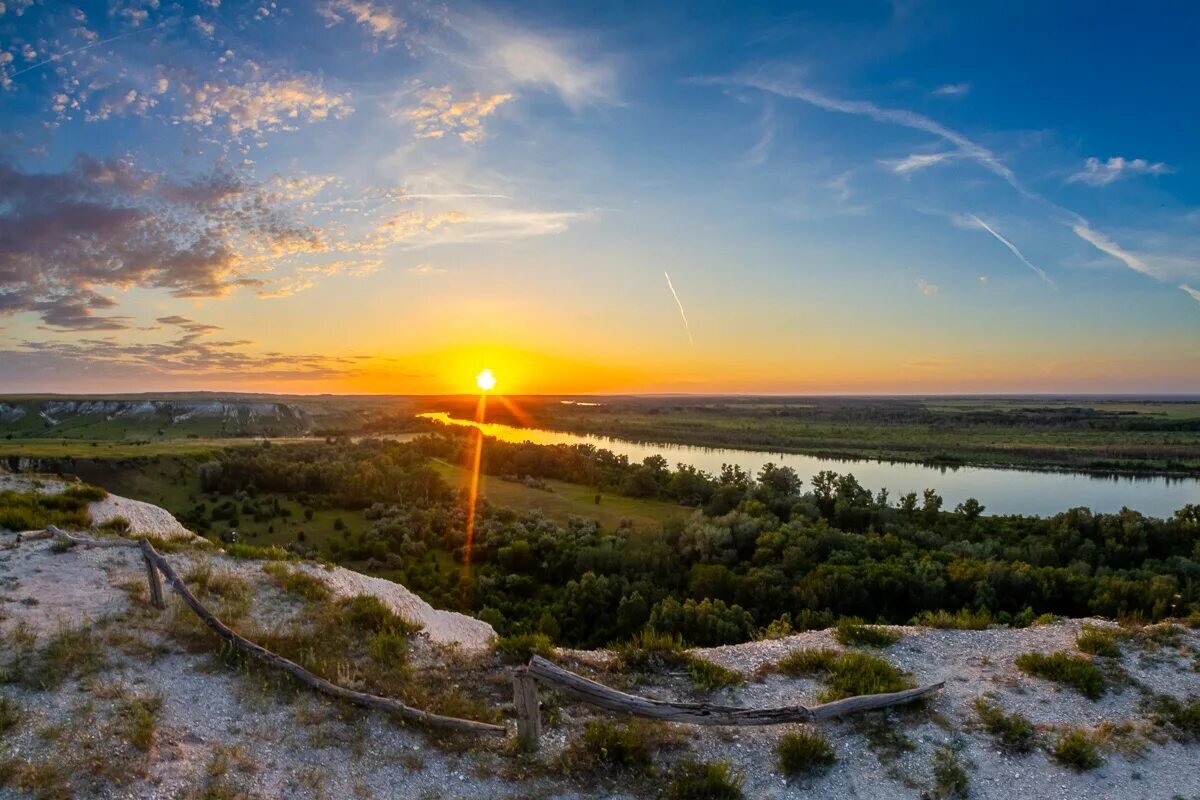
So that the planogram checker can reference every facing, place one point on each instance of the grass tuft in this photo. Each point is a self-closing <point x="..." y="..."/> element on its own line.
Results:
<point x="848" y="673"/>
<point x="1076" y="748"/>
<point x="804" y="752"/>
<point x="1077" y="672"/>
<point x="950" y="777"/>
<point x="604" y="746"/>
<point x="709" y="676"/>
<point x="518" y="649"/>
<point x="963" y="620"/>
<point x="697" y="780"/>
<point x="1013" y="732"/>
<point x="852" y="631"/>
<point x="1098" y="642"/>
<point x="297" y="582"/>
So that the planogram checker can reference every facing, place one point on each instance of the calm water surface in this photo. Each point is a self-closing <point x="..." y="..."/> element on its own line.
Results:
<point x="1002" y="491"/>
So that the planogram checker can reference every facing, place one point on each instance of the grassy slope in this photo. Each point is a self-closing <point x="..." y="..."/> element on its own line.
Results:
<point x="567" y="500"/>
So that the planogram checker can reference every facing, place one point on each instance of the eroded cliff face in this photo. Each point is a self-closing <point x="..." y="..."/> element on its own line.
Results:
<point x="42" y="417"/>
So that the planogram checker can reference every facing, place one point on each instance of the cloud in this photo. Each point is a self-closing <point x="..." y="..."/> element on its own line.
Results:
<point x="189" y="325"/>
<point x="916" y="161"/>
<point x="100" y="224"/>
<point x="554" y="63"/>
<point x="1195" y="293"/>
<point x="379" y="20"/>
<point x="953" y="90"/>
<point x="1105" y="245"/>
<point x="977" y="222"/>
<point x="260" y="105"/>
<point x="796" y="90"/>
<point x="1101" y="173"/>
<point x="927" y="289"/>
<point x="440" y="114"/>
<point x="427" y="269"/>
<point x="679" y="304"/>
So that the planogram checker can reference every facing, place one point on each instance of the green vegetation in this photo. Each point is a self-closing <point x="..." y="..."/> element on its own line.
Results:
<point x="297" y="582"/>
<point x="695" y="780"/>
<point x="1181" y="717"/>
<point x="10" y="714"/>
<point x="1077" y="749"/>
<point x="26" y="511"/>
<point x="1013" y="732"/>
<point x="137" y="719"/>
<point x="709" y="676"/>
<point x="804" y="752"/>
<point x="605" y="745"/>
<point x="650" y="651"/>
<point x="1077" y="672"/>
<point x="847" y="674"/>
<point x="852" y="631"/>
<point x="950" y="778"/>
<point x="72" y="652"/>
<point x="961" y="620"/>
<point x="520" y="648"/>
<point x="1099" y="641"/>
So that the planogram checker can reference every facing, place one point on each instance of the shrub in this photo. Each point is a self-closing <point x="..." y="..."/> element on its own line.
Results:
<point x="950" y="778"/>
<point x="389" y="648"/>
<point x="960" y="620"/>
<point x="804" y="752"/>
<point x="520" y="648"/>
<point x="1077" y="672"/>
<point x="1013" y="732"/>
<point x="1098" y="642"/>
<point x="609" y="745"/>
<point x="709" y="676"/>
<point x="10" y="714"/>
<point x="706" y="623"/>
<point x="849" y="674"/>
<point x="117" y="526"/>
<point x="1182" y="717"/>
<point x="252" y="552"/>
<point x="1075" y="748"/>
<point x="651" y="650"/>
<point x="297" y="582"/>
<point x="137" y="719"/>
<point x="851" y="631"/>
<point x="695" y="780"/>
<point x="368" y="614"/>
<point x="69" y="653"/>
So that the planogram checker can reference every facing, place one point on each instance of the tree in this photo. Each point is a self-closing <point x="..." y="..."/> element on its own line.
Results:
<point x="969" y="509"/>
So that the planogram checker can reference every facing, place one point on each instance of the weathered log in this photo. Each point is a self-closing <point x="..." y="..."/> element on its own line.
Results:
<point x="304" y="676"/>
<point x="83" y="541"/>
<point x="525" y="703"/>
<point x="156" y="589"/>
<point x="598" y="694"/>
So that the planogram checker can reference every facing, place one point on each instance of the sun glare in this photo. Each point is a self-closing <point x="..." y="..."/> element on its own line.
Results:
<point x="485" y="380"/>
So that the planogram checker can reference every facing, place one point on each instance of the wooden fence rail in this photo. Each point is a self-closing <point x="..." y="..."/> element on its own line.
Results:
<point x="597" y="694"/>
<point x="156" y="564"/>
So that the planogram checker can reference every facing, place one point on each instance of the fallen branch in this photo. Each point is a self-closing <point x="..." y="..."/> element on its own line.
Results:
<point x="598" y="694"/>
<point x="155" y="560"/>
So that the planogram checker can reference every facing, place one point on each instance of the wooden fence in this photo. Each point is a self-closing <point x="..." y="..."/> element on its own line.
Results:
<point x="526" y="704"/>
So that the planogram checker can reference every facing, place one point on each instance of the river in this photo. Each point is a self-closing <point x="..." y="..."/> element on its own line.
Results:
<point x="1002" y="491"/>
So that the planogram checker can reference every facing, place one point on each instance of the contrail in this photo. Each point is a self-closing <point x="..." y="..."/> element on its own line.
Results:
<point x="675" y="294"/>
<point x="1014" y="250"/>
<point x="60" y="56"/>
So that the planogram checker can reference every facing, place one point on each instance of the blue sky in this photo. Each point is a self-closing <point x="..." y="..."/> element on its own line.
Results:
<point x="360" y="195"/>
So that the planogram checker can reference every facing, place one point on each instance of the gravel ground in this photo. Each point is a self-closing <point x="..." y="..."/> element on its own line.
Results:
<point x="304" y="746"/>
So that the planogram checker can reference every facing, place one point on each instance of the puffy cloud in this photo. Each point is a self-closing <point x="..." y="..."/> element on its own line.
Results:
<point x="380" y="21"/>
<point x="440" y="114"/>
<point x="110" y="224"/>
<point x="926" y="288"/>
<point x="261" y="105"/>
<point x="1101" y="173"/>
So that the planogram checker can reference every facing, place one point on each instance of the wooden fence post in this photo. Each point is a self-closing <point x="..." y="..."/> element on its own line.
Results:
<point x="525" y="702"/>
<point x="156" y="589"/>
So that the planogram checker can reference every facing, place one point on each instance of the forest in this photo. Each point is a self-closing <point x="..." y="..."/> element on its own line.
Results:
<point x="760" y="554"/>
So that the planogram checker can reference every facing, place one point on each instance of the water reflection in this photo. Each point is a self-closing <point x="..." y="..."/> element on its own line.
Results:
<point x="1003" y="491"/>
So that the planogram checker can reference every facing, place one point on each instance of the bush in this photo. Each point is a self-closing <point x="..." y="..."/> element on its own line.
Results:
<point x="1075" y="748"/>
<point x="1183" y="718"/>
<point x="520" y="648"/>
<point x="1013" y="732"/>
<point x="117" y="526"/>
<point x="804" y="752"/>
<point x="695" y="780"/>
<point x="1077" y="672"/>
<point x="964" y="620"/>
<point x="950" y="778"/>
<point x="849" y="673"/>
<point x="297" y="582"/>
<point x="707" y="623"/>
<point x="650" y="650"/>
<point x="10" y="715"/>
<point x="852" y="631"/>
<point x="610" y="745"/>
<point x="368" y="614"/>
<point x="709" y="676"/>
<point x="1098" y="642"/>
<point x="251" y="552"/>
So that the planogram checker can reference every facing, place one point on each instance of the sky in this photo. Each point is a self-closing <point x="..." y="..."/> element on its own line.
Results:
<point x="364" y="196"/>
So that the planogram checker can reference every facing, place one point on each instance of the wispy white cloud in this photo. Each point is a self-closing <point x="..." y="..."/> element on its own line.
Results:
<point x="379" y="20"/>
<point x="1106" y="245"/>
<point x="953" y="89"/>
<point x="682" y="314"/>
<point x="427" y="269"/>
<point x="1101" y="173"/>
<point x="1195" y="293"/>
<point x="926" y="288"/>
<point x="916" y="161"/>
<point x="977" y="222"/>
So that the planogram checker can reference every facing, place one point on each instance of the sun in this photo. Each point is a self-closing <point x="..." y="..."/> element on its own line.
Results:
<point x="485" y="380"/>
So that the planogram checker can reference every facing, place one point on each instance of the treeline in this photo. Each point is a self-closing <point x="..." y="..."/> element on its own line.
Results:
<point x="765" y="551"/>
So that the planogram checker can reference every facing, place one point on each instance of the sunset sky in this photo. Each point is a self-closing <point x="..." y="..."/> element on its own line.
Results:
<point x="372" y="196"/>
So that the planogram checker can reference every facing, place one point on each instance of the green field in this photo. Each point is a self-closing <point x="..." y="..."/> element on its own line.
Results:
<point x="565" y="500"/>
